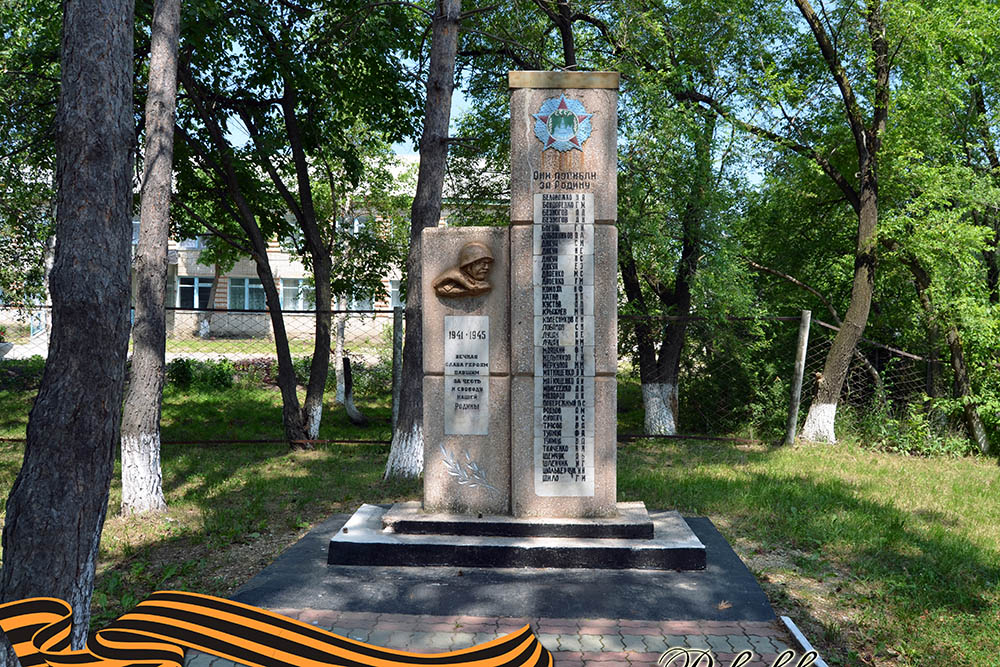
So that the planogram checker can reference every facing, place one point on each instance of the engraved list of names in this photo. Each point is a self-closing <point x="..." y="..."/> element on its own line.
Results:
<point x="563" y="281"/>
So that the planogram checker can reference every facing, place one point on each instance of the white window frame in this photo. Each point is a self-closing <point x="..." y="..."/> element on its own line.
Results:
<point x="301" y="289"/>
<point x="198" y="280"/>
<point x="246" y="294"/>
<point x="394" y="295"/>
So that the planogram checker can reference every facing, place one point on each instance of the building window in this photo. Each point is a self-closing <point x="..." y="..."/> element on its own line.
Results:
<point x="197" y="243"/>
<point x="357" y="303"/>
<point x="192" y="292"/>
<point x="246" y="294"/>
<point x="296" y="294"/>
<point x="135" y="231"/>
<point x="394" y="297"/>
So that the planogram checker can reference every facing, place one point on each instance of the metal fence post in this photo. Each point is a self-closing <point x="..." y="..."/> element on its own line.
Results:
<point x="800" y="366"/>
<point x="397" y="361"/>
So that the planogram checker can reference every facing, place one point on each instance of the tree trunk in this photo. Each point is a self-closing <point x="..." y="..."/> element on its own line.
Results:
<point x="963" y="387"/>
<point x="142" y="485"/>
<point x="57" y="505"/>
<point x="312" y="409"/>
<point x="338" y="352"/>
<point x="291" y="415"/>
<point x="407" y="453"/>
<point x="205" y="318"/>
<point x="819" y="424"/>
<point x="659" y="373"/>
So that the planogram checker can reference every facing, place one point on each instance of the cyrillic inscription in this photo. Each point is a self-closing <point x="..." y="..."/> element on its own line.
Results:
<point x="563" y="279"/>
<point x="466" y="374"/>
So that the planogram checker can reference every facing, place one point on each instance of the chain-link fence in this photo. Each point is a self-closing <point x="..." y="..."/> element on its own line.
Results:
<point x="735" y="379"/>
<point x="224" y="334"/>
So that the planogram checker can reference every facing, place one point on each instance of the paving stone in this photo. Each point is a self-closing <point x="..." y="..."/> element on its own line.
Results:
<point x="436" y="627"/>
<point x="591" y="643"/>
<point x="473" y="628"/>
<point x="718" y="643"/>
<point x="696" y="641"/>
<point x="648" y="658"/>
<point x="658" y="643"/>
<point x="674" y="640"/>
<point x="762" y="645"/>
<point x="320" y="617"/>
<point x="608" y="656"/>
<point x="421" y="642"/>
<point x="395" y="626"/>
<point x="360" y="634"/>
<point x="441" y="640"/>
<point x="634" y="643"/>
<point x="462" y="640"/>
<point x="639" y="627"/>
<point x="612" y="643"/>
<point x="780" y="645"/>
<point x="680" y="628"/>
<point x="549" y="641"/>
<point x="483" y="637"/>
<point x="570" y="642"/>
<point x="353" y="618"/>
<point x="430" y="618"/>
<point x="597" y="626"/>
<point x="392" y="618"/>
<point x="399" y="639"/>
<point x="740" y="642"/>
<point x="197" y="659"/>
<point x="379" y="637"/>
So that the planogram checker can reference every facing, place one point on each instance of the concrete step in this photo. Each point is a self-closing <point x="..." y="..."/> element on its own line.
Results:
<point x="364" y="541"/>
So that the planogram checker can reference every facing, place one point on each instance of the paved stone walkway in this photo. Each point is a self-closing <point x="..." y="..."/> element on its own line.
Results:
<point x="574" y="642"/>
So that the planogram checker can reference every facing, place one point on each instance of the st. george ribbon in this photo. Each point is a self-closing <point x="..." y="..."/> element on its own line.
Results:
<point x="156" y="632"/>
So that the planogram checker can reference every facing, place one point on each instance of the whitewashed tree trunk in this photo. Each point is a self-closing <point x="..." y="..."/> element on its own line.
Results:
<point x="142" y="481"/>
<point x="659" y="401"/>
<point x="338" y="354"/>
<point x="406" y="457"/>
<point x="819" y="422"/>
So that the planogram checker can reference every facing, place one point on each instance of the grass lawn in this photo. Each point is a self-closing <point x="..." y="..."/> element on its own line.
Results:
<point x="880" y="558"/>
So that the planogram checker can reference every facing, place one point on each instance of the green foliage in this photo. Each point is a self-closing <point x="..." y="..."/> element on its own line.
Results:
<point x="21" y="374"/>
<point x="188" y="373"/>
<point x="915" y="429"/>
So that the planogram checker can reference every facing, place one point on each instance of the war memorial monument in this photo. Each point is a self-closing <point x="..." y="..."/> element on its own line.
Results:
<point x="520" y="357"/>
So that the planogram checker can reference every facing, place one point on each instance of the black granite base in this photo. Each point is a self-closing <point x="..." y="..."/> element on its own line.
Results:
<point x="632" y="523"/>
<point x="364" y="541"/>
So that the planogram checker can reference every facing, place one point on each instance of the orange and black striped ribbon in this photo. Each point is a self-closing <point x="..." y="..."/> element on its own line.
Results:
<point x="155" y="633"/>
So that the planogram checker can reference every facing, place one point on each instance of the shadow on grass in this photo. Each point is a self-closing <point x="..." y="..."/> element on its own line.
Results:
<point x="903" y="564"/>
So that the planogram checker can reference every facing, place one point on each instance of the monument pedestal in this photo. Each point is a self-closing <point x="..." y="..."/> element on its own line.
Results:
<point x="375" y="536"/>
<point x="520" y="361"/>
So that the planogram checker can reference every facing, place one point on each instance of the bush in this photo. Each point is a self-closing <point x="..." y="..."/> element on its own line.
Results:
<point x="373" y="380"/>
<point x="21" y="374"/>
<point x="213" y="375"/>
<point x="180" y="373"/>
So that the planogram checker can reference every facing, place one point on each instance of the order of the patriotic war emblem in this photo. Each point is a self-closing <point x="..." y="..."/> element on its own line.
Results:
<point x="562" y="124"/>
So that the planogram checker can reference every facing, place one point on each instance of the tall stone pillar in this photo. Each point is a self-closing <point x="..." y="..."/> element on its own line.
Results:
<point x="563" y="293"/>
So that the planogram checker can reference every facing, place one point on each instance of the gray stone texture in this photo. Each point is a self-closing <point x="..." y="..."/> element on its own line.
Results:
<point x="522" y="302"/>
<point x="441" y="250"/>
<point x="458" y="488"/>
<point x="606" y="301"/>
